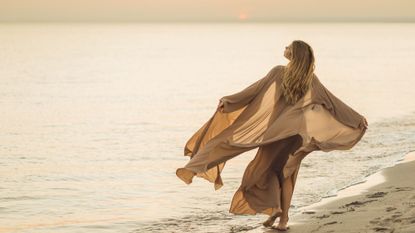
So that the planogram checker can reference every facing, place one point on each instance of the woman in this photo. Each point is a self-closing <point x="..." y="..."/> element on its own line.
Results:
<point x="287" y="114"/>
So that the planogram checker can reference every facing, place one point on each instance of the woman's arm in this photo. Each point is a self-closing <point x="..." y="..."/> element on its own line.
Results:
<point x="240" y="99"/>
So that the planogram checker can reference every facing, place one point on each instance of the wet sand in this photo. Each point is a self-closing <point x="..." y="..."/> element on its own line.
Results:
<point x="388" y="206"/>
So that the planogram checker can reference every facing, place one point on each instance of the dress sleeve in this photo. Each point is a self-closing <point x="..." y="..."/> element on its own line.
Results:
<point x="240" y="99"/>
<point x="343" y="112"/>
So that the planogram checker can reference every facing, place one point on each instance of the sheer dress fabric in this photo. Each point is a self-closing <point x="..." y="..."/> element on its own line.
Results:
<point x="258" y="117"/>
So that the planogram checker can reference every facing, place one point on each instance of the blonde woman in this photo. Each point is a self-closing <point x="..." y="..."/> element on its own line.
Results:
<point x="286" y="115"/>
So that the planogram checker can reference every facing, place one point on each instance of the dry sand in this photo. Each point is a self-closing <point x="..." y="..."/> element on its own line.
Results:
<point x="389" y="206"/>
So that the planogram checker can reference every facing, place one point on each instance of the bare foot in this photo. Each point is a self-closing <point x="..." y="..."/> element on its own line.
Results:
<point x="282" y="225"/>
<point x="271" y="219"/>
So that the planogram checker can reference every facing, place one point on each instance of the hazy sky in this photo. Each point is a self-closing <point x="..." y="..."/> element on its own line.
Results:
<point x="205" y="10"/>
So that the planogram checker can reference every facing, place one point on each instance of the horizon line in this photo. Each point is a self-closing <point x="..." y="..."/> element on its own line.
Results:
<point x="335" y="20"/>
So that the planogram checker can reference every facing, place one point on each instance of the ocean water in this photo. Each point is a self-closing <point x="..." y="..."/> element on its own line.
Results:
<point x="94" y="118"/>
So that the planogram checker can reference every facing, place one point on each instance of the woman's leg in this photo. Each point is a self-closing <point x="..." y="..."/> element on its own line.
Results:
<point x="287" y="190"/>
<point x="292" y="143"/>
<point x="286" y="196"/>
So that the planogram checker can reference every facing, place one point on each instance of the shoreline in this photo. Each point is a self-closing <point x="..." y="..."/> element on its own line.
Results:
<point x="383" y="202"/>
<point x="358" y="188"/>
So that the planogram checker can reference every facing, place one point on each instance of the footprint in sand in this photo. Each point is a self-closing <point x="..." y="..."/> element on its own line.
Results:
<point x="330" y="223"/>
<point x="241" y="228"/>
<point x="408" y="219"/>
<point x="383" y="229"/>
<point x="399" y="189"/>
<point x="323" y="216"/>
<point x="337" y="212"/>
<point x="376" y="195"/>
<point x="309" y="212"/>
<point x="396" y="215"/>
<point x="357" y="203"/>
<point x="389" y="209"/>
<point x="395" y="218"/>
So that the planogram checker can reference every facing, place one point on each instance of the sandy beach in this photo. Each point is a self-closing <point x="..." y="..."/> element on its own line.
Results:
<point x="387" y="206"/>
<point x="96" y="116"/>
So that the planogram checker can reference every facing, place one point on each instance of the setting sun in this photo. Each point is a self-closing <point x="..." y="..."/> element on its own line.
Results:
<point x="243" y="16"/>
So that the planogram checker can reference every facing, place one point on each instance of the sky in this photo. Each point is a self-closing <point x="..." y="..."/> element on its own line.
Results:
<point x="207" y="10"/>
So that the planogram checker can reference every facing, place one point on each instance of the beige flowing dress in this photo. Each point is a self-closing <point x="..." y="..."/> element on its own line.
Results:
<point x="259" y="117"/>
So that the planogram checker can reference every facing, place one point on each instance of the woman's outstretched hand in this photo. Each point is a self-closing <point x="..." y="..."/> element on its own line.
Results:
<point x="220" y="106"/>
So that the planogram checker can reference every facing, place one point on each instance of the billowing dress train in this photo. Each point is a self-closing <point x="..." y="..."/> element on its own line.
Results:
<point x="258" y="116"/>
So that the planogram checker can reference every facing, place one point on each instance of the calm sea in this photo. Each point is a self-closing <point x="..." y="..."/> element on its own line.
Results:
<point x="94" y="118"/>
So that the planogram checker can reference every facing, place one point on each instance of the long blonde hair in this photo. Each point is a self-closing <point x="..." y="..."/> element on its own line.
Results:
<point x="298" y="73"/>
